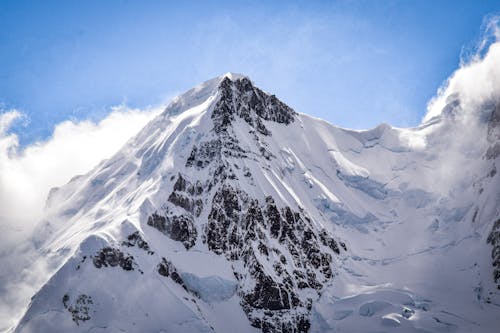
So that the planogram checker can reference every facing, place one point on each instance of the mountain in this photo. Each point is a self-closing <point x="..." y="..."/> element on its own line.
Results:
<point x="231" y="212"/>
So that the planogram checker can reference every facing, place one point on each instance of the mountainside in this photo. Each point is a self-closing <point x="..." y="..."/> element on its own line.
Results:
<point x="231" y="212"/>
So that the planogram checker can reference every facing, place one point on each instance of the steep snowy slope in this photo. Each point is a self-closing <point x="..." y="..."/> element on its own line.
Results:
<point x="232" y="212"/>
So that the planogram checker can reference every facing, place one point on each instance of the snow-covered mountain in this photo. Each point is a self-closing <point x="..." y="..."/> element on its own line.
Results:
<point x="231" y="212"/>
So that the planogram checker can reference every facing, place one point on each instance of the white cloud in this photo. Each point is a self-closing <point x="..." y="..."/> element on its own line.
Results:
<point x="476" y="81"/>
<point x="27" y="174"/>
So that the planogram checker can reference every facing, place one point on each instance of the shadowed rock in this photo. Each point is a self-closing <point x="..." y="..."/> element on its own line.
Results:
<point x="179" y="228"/>
<point x="112" y="257"/>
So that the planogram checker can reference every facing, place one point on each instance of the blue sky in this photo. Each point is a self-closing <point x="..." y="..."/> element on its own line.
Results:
<point x="353" y="63"/>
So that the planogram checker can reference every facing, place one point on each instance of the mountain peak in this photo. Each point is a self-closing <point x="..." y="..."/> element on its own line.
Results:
<point x="201" y="93"/>
<point x="239" y="97"/>
<point x="232" y="205"/>
<point x="233" y="76"/>
<point x="233" y="95"/>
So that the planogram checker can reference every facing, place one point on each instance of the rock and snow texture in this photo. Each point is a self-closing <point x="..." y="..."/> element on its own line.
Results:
<point x="231" y="212"/>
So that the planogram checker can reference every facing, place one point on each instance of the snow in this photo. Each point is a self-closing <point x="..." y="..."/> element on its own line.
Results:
<point x="401" y="199"/>
<point x="371" y="308"/>
<point x="211" y="288"/>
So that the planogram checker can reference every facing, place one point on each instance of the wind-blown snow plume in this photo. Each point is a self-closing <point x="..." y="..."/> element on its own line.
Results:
<point x="464" y="104"/>
<point x="477" y="81"/>
<point x="27" y="174"/>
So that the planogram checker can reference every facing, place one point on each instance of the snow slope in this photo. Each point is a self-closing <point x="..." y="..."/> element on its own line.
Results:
<point x="232" y="212"/>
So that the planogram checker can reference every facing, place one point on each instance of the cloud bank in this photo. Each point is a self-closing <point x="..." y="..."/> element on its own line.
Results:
<point x="27" y="174"/>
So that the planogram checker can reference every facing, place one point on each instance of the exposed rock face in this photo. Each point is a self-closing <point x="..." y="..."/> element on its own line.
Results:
<point x="494" y="240"/>
<point x="327" y="240"/>
<point x="178" y="227"/>
<point x="203" y="154"/>
<point x="112" y="257"/>
<point x="494" y="134"/>
<point x="206" y="152"/>
<point x="240" y="98"/>
<point x="252" y="234"/>
<point x="135" y="239"/>
<point x="165" y="268"/>
<point x="182" y="229"/>
<point x="243" y="230"/>
<point x="182" y="185"/>
<point x="494" y="124"/>
<point x="190" y="205"/>
<point x="184" y="195"/>
<point x="80" y="308"/>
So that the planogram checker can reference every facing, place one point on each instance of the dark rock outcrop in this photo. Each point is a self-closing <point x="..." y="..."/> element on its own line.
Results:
<point x="178" y="227"/>
<point x="494" y="240"/>
<point x="193" y="206"/>
<point x="80" y="309"/>
<point x="240" y="98"/>
<point x="167" y="269"/>
<point x="185" y="195"/>
<point x="493" y="150"/>
<point x="209" y="151"/>
<point x="183" y="185"/>
<point x="111" y="257"/>
<point x="242" y="229"/>
<point x="327" y="240"/>
<point x="135" y="239"/>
